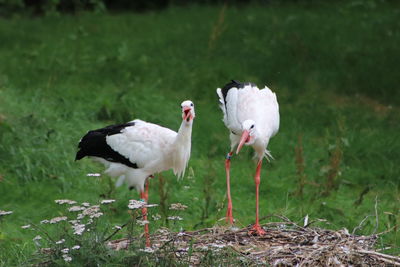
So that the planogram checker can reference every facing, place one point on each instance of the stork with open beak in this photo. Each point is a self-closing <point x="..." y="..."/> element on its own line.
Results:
<point x="136" y="150"/>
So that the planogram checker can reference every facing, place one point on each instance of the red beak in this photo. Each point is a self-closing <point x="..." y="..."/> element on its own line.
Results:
<point x="187" y="113"/>
<point x="243" y="139"/>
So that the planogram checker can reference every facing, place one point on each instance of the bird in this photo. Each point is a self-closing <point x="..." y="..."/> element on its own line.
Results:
<point x="252" y="117"/>
<point x="136" y="150"/>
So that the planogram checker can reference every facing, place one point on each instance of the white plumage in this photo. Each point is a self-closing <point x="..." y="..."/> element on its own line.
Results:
<point x="246" y="102"/>
<point x="149" y="147"/>
<point x="252" y="116"/>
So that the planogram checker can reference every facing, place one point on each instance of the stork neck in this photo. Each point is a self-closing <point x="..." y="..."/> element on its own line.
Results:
<point x="184" y="132"/>
<point x="182" y="147"/>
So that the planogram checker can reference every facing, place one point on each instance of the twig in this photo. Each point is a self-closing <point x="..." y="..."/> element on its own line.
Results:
<point x="387" y="231"/>
<point x="116" y="231"/>
<point x="387" y="258"/>
<point x="360" y="224"/>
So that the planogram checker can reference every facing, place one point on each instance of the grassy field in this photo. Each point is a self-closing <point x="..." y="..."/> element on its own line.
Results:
<point x="334" y="68"/>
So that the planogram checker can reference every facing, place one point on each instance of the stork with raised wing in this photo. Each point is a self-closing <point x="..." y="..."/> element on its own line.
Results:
<point x="136" y="150"/>
<point x="252" y="117"/>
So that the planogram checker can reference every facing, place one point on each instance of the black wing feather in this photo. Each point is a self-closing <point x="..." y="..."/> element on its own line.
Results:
<point x="94" y="144"/>
<point x="234" y="84"/>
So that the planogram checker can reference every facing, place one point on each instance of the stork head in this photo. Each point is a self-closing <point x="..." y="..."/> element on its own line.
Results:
<point x="249" y="134"/>
<point x="187" y="110"/>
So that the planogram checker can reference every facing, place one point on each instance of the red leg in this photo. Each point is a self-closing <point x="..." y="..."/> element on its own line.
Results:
<point x="256" y="229"/>
<point x="229" y="217"/>
<point x="145" y="196"/>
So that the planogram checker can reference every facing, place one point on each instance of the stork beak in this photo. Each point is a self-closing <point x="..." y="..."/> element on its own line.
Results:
<point x="186" y="113"/>
<point x="243" y="139"/>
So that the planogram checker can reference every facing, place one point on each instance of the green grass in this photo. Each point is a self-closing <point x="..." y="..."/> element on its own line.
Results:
<point x="334" y="68"/>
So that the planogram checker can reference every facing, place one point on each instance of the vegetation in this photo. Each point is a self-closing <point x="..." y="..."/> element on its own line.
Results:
<point x="333" y="66"/>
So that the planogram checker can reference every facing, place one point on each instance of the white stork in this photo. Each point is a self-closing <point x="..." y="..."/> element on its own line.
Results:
<point x="252" y="116"/>
<point x="136" y="150"/>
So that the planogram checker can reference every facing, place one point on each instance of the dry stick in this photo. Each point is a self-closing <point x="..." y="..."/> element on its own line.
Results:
<point x="386" y="258"/>
<point x="379" y="254"/>
<point x="387" y="231"/>
<point x="360" y="224"/>
<point x="116" y="231"/>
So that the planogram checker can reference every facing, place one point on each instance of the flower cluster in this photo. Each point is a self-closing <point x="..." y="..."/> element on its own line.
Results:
<point x="65" y="201"/>
<point x="138" y="204"/>
<point x="107" y="201"/>
<point x="175" y="218"/>
<point x="3" y="212"/>
<point x="83" y="216"/>
<point x="142" y="222"/>
<point x="58" y="219"/>
<point x="178" y="206"/>
<point x="93" y="174"/>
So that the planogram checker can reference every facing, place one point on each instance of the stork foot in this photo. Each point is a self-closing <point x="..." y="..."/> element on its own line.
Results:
<point x="257" y="230"/>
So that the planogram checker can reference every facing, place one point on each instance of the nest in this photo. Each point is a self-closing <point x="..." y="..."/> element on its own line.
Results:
<point x="285" y="244"/>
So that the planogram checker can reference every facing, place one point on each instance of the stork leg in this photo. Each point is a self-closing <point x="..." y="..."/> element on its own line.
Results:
<point x="229" y="217"/>
<point x="256" y="229"/>
<point x="145" y="196"/>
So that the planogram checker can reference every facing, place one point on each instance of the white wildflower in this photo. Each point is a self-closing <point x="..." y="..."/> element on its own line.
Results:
<point x="85" y="204"/>
<point x="60" y="241"/>
<point x="76" y="247"/>
<point x="186" y="187"/>
<point x="65" y="201"/>
<point x="156" y="217"/>
<point x="26" y="226"/>
<point x="78" y="229"/>
<point x="142" y="222"/>
<point x="96" y="215"/>
<point x="177" y="206"/>
<point x="147" y="250"/>
<point x="175" y="218"/>
<point x="44" y="221"/>
<point x="92" y="212"/>
<point x="76" y="208"/>
<point x="73" y="221"/>
<point x="162" y="231"/>
<point x="65" y="250"/>
<point x="38" y="237"/>
<point x="3" y="212"/>
<point x="58" y="219"/>
<point x="137" y="204"/>
<point x="93" y="174"/>
<point x="67" y="258"/>
<point x="107" y="201"/>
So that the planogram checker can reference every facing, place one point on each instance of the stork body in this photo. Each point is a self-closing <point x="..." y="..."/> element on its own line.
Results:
<point x="252" y="116"/>
<point x="136" y="150"/>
